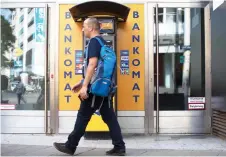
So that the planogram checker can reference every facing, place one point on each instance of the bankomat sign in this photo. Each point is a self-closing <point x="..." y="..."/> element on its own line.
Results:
<point x="70" y="59"/>
<point x="130" y="37"/>
<point x="130" y="51"/>
<point x="136" y="61"/>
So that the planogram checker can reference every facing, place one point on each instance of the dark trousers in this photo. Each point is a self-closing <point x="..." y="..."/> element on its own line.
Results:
<point x="83" y="117"/>
<point x="19" y="98"/>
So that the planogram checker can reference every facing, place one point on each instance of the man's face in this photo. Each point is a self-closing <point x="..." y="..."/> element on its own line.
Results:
<point x="86" y="29"/>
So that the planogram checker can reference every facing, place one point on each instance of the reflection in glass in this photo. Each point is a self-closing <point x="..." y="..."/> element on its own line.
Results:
<point x="22" y="58"/>
<point x="181" y="57"/>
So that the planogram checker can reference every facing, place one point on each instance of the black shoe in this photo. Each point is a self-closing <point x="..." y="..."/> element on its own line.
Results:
<point x="62" y="148"/>
<point x="117" y="152"/>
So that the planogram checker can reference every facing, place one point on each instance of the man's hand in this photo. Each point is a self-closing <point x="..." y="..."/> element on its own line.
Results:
<point x="77" y="87"/>
<point x="83" y="93"/>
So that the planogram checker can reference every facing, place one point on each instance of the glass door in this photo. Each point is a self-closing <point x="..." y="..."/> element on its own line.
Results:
<point x="178" y="68"/>
<point x="24" y="68"/>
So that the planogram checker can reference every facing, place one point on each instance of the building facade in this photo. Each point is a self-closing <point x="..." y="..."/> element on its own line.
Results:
<point x="166" y="60"/>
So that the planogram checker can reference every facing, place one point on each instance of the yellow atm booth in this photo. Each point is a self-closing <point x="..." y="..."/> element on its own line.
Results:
<point x="109" y="14"/>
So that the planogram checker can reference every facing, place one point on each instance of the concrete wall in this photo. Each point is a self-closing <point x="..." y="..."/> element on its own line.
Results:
<point x="218" y="39"/>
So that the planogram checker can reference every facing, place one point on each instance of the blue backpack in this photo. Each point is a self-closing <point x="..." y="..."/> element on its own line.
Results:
<point x="103" y="83"/>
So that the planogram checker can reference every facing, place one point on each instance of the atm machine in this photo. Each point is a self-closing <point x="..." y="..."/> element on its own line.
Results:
<point x="108" y="27"/>
<point x="108" y="14"/>
<point x="108" y="32"/>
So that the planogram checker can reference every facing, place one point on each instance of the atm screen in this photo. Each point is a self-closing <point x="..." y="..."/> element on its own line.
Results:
<point x="107" y="26"/>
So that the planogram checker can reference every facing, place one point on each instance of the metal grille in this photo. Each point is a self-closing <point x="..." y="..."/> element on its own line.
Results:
<point x="219" y="123"/>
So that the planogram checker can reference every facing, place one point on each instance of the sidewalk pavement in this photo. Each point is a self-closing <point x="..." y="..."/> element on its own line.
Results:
<point x="137" y="145"/>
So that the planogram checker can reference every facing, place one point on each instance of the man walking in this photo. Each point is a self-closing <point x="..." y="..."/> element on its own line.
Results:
<point x="91" y="29"/>
<point x="20" y="91"/>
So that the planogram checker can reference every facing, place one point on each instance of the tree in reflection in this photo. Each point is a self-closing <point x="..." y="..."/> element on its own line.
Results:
<point x="7" y="41"/>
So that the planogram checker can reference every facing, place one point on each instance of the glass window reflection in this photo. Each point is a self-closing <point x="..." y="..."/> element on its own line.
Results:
<point x="22" y="61"/>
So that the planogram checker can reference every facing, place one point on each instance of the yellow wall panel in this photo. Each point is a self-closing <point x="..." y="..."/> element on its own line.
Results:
<point x="69" y="30"/>
<point x="130" y="87"/>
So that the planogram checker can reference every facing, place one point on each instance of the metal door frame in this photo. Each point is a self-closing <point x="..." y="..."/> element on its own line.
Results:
<point x="50" y="120"/>
<point x="149" y="67"/>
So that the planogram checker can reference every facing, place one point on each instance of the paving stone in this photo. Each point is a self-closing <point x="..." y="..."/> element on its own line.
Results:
<point x="93" y="152"/>
<point x="133" y="141"/>
<point x="101" y="152"/>
<point x="135" y="152"/>
<point x="10" y="148"/>
<point x="222" y="153"/>
<point x="179" y="153"/>
<point x="204" y="153"/>
<point x="37" y="150"/>
<point x="51" y="151"/>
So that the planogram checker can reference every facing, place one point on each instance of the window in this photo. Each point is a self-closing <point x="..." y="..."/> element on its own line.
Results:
<point x="180" y="12"/>
<point x="30" y="38"/>
<point x="21" y="46"/>
<point x="29" y="10"/>
<point x="14" y="15"/>
<point x="181" y="68"/>
<point x="29" y="57"/>
<point x="179" y="60"/>
<point x="31" y="22"/>
<point x="160" y="13"/>
<point x="21" y="31"/>
<point x="22" y="64"/>
<point x="22" y="18"/>
<point x="171" y="15"/>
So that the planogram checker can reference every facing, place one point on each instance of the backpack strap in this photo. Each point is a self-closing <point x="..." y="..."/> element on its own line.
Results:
<point x="85" y="60"/>
<point x="109" y="101"/>
<point x="98" y="110"/>
<point x="87" y="50"/>
<point x="93" y="101"/>
<point x="98" y="39"/>
<point x="101" y="103"/>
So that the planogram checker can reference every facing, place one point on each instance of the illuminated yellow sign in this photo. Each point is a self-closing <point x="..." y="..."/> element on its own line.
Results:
<point x="70" y="40"/>
<point x="71" y="52"/>
<point x="130" y="37"/>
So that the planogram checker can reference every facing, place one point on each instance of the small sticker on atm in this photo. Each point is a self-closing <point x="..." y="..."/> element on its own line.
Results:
<point x="125" y="58"/>
<point x="124" y="52"/>
<point x="124" y="65"/>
